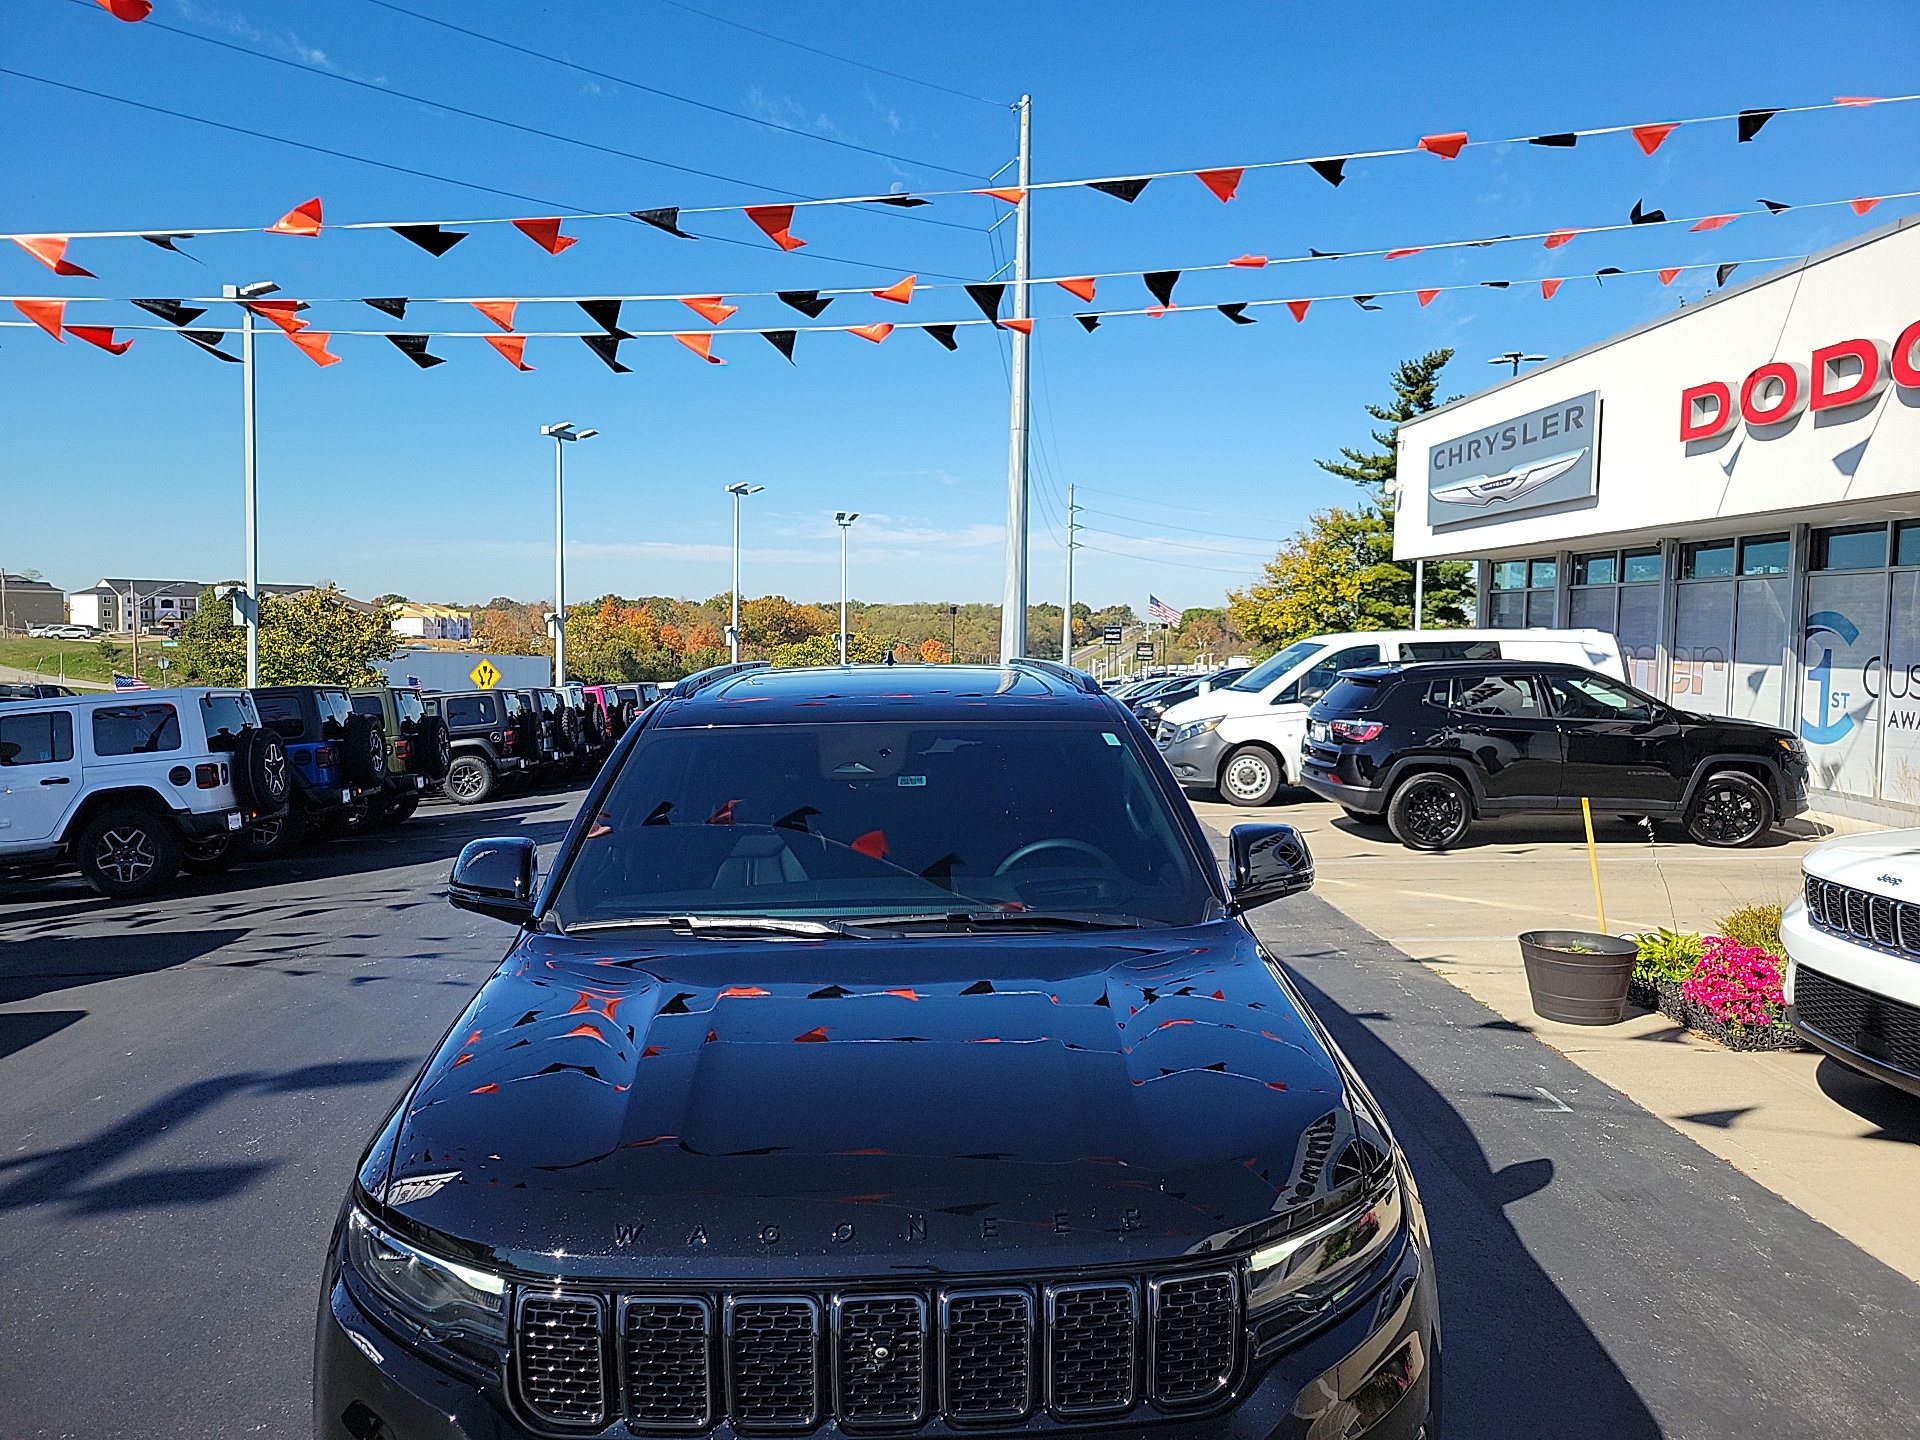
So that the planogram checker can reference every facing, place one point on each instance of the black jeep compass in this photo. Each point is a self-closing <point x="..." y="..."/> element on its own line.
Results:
<point x="882" y="1055"/>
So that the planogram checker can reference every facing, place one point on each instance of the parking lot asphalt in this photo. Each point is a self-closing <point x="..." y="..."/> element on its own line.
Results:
<point x="188" y="1081"/>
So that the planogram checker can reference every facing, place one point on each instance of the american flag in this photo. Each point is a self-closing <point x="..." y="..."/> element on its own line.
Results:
<point x="1158" y="609"/>
<point x="130" y="682"/>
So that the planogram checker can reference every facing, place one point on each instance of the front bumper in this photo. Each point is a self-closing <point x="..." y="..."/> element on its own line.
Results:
<point x="1869" y="1034"/>
<point x="1196" y="762"/>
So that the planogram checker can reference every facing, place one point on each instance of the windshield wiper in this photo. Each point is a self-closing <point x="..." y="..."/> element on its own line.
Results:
<point x="695" y="924"/>
<point x="997" y="918"/>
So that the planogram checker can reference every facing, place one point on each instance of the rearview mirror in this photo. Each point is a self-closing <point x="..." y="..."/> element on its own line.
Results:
<point x="1266" y="863"/>
<point x="495" y="878"/>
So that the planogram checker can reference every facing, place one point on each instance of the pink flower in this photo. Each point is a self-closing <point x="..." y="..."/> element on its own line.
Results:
<point x="1737" y="984"/>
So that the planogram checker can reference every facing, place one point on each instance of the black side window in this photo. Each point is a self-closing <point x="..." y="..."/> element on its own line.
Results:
<point x="135" y="729"/>
<point x="281" y="714"/>
<point x="1440" y="694"/>
<point x="369" y="705"/>
<point x="469" y="710"/>
<point x="1449" y="649"/>
<point x="1588" y="697"/>
<point x="41" y="739"/>
<point x="1512" y="695"/>
<point x="1318" y="680"/>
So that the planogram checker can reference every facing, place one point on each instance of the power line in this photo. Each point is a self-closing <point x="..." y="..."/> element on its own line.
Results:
<point x="1156" y="560"/>
<point x="1165" y="525"/>
<point x="1188" y="545"/>
<point x="1165" y="504"/>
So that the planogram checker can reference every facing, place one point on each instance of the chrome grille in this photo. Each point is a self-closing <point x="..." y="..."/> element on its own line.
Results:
<point x="1861" y="915"/>
<point x="879" y="1357"/>
<point x="666" y="1359"/>
<point x="1090" y="1348"/>
<point x="561" y="1370"/>
<point x="1196" y="1337"/>
<point x="987" y="1359"/>
<point x="1872" y="1025"/>
<point x="773" y="1363"/>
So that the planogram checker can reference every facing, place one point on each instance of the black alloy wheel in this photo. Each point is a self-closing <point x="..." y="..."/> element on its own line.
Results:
<point x="1731" y="809"/>
<point x="469" y="781"/>
<point x="1251" y="777"/>
<point x="127" y="853"/>
<point x="273" y="836"/>
<point x="1430" y="812"/>
<point x="396" y="812"/>
<point x="262" y="774"/>
<point x="212" y="855"/>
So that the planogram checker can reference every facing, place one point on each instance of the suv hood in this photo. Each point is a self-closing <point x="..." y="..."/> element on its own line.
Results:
<point x="1215" y="702"/>
<point x="725" y="1109"/>
<point x="1887" y="863"/>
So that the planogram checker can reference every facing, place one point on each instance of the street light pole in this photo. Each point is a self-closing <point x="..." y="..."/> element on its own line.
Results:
<point x="733" y="630"/>
<point x="844" y="519"/>
<point x="561" y="433"/>
<point x="244" y="293"/>
<point x="1013" y="602"/>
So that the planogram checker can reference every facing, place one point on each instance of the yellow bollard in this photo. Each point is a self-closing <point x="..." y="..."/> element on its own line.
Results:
<point x="1593" y="860"/>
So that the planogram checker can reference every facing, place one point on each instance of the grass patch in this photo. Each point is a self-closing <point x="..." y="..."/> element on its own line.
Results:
<point x="81" y="659"/>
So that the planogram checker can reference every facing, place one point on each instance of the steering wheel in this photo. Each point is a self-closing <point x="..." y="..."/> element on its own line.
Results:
<point x="1035" y="847"/>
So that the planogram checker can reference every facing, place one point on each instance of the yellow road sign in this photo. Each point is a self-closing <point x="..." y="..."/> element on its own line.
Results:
<point x="484" y="675"/>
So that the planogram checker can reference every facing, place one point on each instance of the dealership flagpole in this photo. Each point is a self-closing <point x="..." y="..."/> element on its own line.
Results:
<point x="1013" y="604"/>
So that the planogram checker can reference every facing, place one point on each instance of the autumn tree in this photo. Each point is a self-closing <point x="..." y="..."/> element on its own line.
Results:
<point x="317" y="637"/>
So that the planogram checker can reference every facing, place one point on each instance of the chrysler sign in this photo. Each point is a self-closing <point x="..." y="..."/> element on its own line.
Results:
<point x="1545" y="457"/>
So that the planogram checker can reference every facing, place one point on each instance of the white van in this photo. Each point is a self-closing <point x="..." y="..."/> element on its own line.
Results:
<point x="1244" y="739"/>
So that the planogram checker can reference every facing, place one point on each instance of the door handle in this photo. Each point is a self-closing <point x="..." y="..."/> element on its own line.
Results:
<point x="58" y="780"/>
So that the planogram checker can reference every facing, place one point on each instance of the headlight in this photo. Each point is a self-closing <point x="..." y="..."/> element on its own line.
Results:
<point x="1196" y="727"/>
<point x="440" y="1294"/>
<point x="1298" y="1277"/>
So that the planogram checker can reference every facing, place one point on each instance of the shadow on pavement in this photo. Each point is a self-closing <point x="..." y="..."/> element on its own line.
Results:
<point x="1559" y="829"/>
<point x="18" y="1031"/>
<point x="38" y="966"/>
<point x="1896" y="1113"/>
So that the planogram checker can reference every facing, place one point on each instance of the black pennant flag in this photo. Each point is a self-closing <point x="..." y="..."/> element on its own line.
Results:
<point x="1361" y="301"/>
<point x="1495" y="284"/>
<point x="1720" y="275"/>
<point x="1161" y="283"/>
<point x="171" y="311"/>
<point x="1775" y="206"/>
<point x="165" y="242"/>
<point x="987" y="297"/>
<point x="394" y="305"/>
<point x="944" y="334"/>
<point x="605" y="314"/>
<point x="1323" y="254"/>
<point x="807" y="302"/>
<point x="1236" y="312"/>
<point x="1647" y="217"/>
<point x="1566" y="140"/>
<point x="1090" y="323"/>
<point x="1127" y="190"/>
<point x="905" y="202"/>
<point x="209" y="341"/>
<point x="414" y="347"/>
<point x="1602" y="273"/>
<point x="782" y="340"/>
<point x="1751" y="121"/>
<point x="430" y="238"/>
<point x="667" y="220"/>
<point x="607" y="347"/>
<point x="1331" y="171"/>
<point x="1487" y="244"/>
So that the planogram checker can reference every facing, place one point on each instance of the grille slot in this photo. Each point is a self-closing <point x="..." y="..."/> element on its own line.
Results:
<point x="1873" y="1025"/>
<point x="880" y="1367"/>
<point x="987" y="1354"/>
<point x="773" y="1363"/>
<point x="1090" y="1348"/>
<point x="561" y="1369"/>
<point x="667" y="1362"/>
<point x="1880" y="913"/>
<point x="1196" y="1337"/>
<point x="1861" y="915"/>
<point x="1856" y="912"/>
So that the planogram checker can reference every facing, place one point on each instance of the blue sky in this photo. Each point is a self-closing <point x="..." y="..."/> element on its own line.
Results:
<point x="1192" y="440"/>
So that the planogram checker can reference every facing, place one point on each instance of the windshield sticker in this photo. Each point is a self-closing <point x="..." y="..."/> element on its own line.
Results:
<point x="1111" y="738"/>
<point x="911" y="780"/>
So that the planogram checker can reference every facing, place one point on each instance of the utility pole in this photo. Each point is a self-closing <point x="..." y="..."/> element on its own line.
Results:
<point x="1066" y="635"/>
<point x="1013" y="604"/>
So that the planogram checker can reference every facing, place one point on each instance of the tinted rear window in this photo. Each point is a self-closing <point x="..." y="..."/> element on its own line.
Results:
<point x="469" y="709"/>
<point x="282" y="714"/>
<point x="225" y="716"/>
<point x="135" y="729"/>
<point x="1352" y="697"/>
<point x="369" y="705"/>
<point x="1449" y="649"/>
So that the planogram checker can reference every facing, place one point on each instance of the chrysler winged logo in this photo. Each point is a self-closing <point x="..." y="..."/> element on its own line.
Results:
<point x="1509" y="484"/>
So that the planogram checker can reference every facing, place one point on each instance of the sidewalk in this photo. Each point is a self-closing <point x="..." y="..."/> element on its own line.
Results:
<point x="1844" y="1149"/>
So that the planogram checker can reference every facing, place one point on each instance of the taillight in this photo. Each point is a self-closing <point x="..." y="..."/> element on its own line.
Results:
<point x="509" y="739"/>
<point x="207" y="776"/>
<point x="1354" y="732"/>
<point x="323" y="756"/>
<point x="400" y="749"/>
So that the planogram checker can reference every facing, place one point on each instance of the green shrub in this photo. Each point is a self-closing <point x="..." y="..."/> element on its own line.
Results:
<point x="1665" y="955"/>
<point x="1755" y="925"/>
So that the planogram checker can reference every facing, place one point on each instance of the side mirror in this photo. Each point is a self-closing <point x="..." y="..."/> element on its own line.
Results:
<point x="495" y="878"/>
<point x="1267" y="862"/>
<point x="1206" y="688"/>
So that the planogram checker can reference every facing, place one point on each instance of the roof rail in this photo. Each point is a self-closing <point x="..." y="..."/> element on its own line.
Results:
<point x="1078" y="678"/>
<point x="700" y="679"/>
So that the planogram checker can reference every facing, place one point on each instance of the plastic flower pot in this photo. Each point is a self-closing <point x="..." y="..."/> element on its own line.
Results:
<point x="1577" y="977"/>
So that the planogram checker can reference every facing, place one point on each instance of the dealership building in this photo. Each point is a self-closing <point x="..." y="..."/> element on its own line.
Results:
<point x="1733" y="490"/>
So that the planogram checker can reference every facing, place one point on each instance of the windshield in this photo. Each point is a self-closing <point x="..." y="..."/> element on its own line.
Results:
<point x="1274" y="666"/>
<point x="849" y="820"/>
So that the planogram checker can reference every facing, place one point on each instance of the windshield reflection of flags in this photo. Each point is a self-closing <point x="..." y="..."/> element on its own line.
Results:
<point x="1158" y="609"/>
<point x="130" y="682"/>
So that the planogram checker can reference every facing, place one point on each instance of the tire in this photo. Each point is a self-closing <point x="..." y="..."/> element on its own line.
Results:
<point x="395" y="812"/>
<point x="1430" y="811"/>
<point x="212" y="856"/>
<point x="363" y="752"/>
<point x="1731" y="809"/>
<point x="431" y="752"/>
<point x="1250" y="777"/>
<point x="271" y="838"/>
<point x="469" y="780"/>
<point x="262" y="774"/>
<point x="330" y="825"/>
<point x="127" y="853"/>
<point x="1361" y="817"/>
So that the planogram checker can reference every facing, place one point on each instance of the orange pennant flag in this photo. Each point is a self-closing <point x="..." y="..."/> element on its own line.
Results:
<point x="1022" y="327"/>
<point x="546" y="234"/>
<point x="1445" y="146"/>
<point x="51" y="251"/>
<point x="875" y="333"/>
<point x="1549" y="288"/>
<point x="1559" y="238"/>
<point x="1156" y="311"/>
<point x="709" y="307"/>
<point x="1651" y="136"/>
<point x="313" y="344"/>
<point x="1012" y="197"/>
<point x="1426" y="296"/>
<point x="128" y="10"/>
<point x="301" y="220"/>
<point x="1083" y="288"/>
<point x="775" y="220"/>
<point x="1856" y="99"/>
<point x="1859" y="207"/>
<point x="1250" y="262"/>
<point x="900" y="293"/>
<point x="500" y="312"/>
<point x="1666" y="276"/>
<point x="701" y="345"/>
<point x="101" y="335"/>
<point x="1299" y="308"/>
<point x="512" y="347"/>
<point x="280" y="312"/>
<point x="1712" y="222"/>
<point x="1221" y="182"/>
<point x="1402" y="254"/>
<point x="47" y="314"/>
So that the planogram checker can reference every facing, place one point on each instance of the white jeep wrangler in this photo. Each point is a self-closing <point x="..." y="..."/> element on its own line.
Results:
<point x="130" y="786"/>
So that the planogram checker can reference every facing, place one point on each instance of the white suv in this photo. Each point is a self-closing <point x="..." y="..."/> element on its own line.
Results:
<point x="1853" y="954"/>
<point x="128" y="787"/>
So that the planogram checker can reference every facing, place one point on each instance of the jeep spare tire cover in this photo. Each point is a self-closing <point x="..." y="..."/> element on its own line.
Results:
<point x="431" y="749"/>
<point x="363" y="754"/>
<point x="262" y="778"/>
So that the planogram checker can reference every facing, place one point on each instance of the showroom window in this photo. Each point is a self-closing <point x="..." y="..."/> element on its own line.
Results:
<point x="1849" y="547"/>
<point x="1619" y="591"/>
<point x="1523" y="593"/>
<point x="1707" y="560"/>
<point x="1906" y="543"/>
<point x="1765" y="554"/>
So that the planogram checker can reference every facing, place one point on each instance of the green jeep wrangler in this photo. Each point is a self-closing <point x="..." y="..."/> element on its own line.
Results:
<point x="417" y="751"/>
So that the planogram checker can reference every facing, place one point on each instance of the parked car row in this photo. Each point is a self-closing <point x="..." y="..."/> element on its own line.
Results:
<point x="498" y="737"/>
<point x="62" y="631"/>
